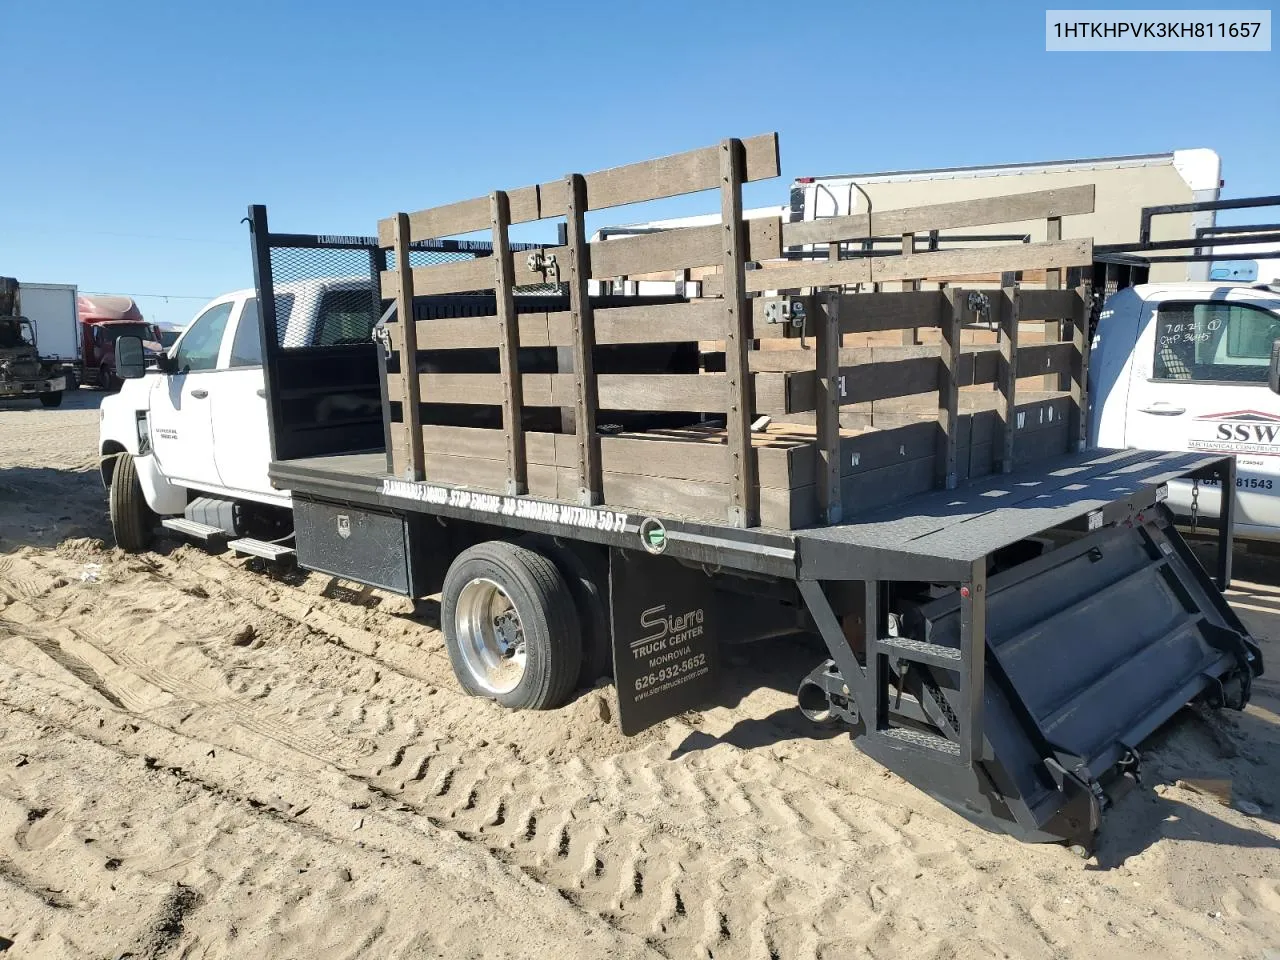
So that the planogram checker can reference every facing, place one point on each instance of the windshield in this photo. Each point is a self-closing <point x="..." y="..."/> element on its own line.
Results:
<point x="16" y="332"/>
<point x="114" y="331"/>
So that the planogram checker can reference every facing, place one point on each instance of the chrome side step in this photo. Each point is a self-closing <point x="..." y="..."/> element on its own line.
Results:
<point x="261" y="548"/>
<point x="194" y="528"/>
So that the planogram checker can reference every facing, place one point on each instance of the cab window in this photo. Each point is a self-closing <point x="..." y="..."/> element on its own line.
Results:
<point x="345" y="316"/>
<point x="198" y="350"/>
<point x="246" y="346"/>
<point x="1215" y="342"/>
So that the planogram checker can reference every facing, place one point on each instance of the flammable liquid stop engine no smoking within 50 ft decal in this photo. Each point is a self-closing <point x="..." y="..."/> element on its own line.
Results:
<point x="559" y="514"/>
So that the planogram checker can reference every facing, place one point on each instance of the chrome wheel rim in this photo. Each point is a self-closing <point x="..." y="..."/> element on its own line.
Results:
<point x="490" y="636"/>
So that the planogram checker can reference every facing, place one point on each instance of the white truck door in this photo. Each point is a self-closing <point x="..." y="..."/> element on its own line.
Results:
<point x="1199" y="382"/>
<point x="241" y="438"/>
<point x="181" y="402"/>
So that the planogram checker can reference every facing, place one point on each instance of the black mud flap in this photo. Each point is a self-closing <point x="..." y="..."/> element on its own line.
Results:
<point x="665" y="656"/>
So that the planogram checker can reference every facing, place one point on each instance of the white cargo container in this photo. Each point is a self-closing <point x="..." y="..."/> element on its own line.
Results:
<point x="51" y="308"/>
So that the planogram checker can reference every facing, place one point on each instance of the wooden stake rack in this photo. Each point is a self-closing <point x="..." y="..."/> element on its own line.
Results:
<point x="540" y="398"/>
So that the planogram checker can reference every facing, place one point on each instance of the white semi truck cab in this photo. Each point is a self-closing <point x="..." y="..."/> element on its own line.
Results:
<point x="1193" y="366"/>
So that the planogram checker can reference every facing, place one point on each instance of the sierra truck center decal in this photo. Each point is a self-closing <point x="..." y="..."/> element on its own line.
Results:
<point x="1240" y="431"/>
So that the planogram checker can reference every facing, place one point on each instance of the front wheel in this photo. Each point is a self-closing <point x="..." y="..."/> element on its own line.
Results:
<point x="510" y="626"/>
<point x="107" y="379"/>
<point x="53" y="399"/>
<point x="131" y="519"/>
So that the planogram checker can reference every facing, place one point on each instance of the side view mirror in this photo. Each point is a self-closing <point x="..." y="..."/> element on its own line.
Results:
<point x="1273" y="371"/>
<point x="131" y="363"/>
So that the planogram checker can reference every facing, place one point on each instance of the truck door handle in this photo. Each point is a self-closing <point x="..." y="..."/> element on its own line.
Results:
<point x="262" y="392"/>
<point x="199" y="394"/>
<point x="1163" y="411"/>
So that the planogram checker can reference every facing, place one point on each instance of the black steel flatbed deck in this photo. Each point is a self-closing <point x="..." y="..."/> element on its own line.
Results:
<point x="930" y="536"/>
<point x="947" y="531"/>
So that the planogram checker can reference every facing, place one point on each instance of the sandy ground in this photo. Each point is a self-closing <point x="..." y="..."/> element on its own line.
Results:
<point x="200" y="759"/>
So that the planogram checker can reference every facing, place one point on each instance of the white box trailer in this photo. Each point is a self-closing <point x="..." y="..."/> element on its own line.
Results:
<point x="1123" y="185"/>
<point x="51" y="308"/>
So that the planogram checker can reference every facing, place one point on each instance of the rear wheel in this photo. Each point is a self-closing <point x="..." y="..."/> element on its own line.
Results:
<point x="510" y="626"/>
<point x="131" y="519"/>
<point x="53" y="399"/>
<point x="590" y="598"/>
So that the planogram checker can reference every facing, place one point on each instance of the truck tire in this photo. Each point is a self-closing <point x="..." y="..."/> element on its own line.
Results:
<point x="131" y="518"/>
<point x="510" y="626"/>
<point x="107" y="380"/>
<point x="51" y="399"/>
<point x="590" y="596"/>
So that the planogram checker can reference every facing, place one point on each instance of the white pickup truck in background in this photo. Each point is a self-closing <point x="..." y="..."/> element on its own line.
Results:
<point x="1194" y="366"/>
<point x="198" y="425"/>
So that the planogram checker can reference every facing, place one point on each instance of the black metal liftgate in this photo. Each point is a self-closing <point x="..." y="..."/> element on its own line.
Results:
<point x="1011" y="687"/>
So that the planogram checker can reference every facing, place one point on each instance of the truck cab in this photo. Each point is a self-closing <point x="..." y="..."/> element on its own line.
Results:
<point x="1187" y="366"/>
<point x="196" y="424"/>
<point x="104" y="320"/>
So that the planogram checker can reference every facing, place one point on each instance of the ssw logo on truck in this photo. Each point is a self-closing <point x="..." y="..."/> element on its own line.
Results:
<point x="1240" y="431"/>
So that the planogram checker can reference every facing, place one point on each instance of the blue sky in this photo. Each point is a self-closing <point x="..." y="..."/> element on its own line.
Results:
<point x="137" y="132"/>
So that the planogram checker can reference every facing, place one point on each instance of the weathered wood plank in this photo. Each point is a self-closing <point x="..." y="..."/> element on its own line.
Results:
<point x="949" y="391"/>
<point x="656" y="179"/>
<point x="1053" y="281"/>
<point x="1079" y="372"/>
<point x="459" y="276"/>
<point x="911" y="335"/>
<point x="616" y="391"/>
<point x="743" y="496"/>
<point x="642" y="323"/>
<point x="872" y="312"/>
<point x="681" y="248"/>
<point x="508" y="346"/>
<point x="659" y="323"/>
<point x="1046" y="358"/>
<point x="1012" y="208"/>
<point x="1049" y="304"/>
<point x="815" y="273"/>
<point x="1007" y="378"/>
<point x="827" y="403"/>
<point x="993" y="259"/>
<point x="863" y="383"/>
<point x="978" y="364"/>
<point x="544" y="480"/>
<point x="406" y="458"/>
<point x="583" y="344"/>
<point x="656" y="456"/>
<point x="939" y="264"/>
<point x="485" y="444"/>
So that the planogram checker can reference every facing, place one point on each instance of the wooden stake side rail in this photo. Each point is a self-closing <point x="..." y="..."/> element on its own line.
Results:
<point x="941" y="264"/>
<point x="686" y="473"/>
<point x="677" y="249"/>
<point x="784" y="475"/>
<point x="689" y="172"/>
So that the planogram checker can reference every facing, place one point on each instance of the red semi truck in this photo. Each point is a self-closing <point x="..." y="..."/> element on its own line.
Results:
<point x="103" y="319"/>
